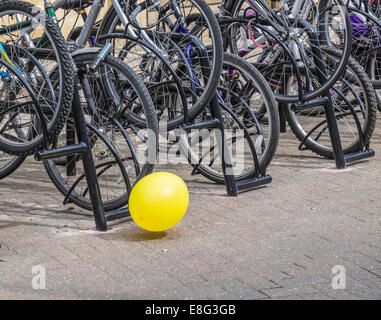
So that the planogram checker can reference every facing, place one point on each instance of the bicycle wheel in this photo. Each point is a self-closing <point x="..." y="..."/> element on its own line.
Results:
<point x="33" y="44"/>
<point x="251" y="123"/>
<point x="166" y="29"/>
<point x="353" y="94"/>
<point x="280" y="43"/>
<point x="9" y="164"/>
<point x="111" y="97"/>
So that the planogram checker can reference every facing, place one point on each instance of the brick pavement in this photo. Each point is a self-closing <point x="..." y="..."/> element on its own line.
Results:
<point x="279" y="242"/>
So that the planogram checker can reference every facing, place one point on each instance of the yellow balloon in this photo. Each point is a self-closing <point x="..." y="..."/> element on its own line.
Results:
<point x="159" y="201"/>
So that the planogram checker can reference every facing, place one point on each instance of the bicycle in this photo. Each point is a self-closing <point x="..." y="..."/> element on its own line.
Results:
<point x="303" y="70"/>
<point x="97" y="61"/>
<point x="33" y="55"/>
<point x="27" y="54"/>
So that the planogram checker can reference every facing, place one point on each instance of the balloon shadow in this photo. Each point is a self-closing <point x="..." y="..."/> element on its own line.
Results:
<point x="134" y="235"/>
<point x="143" y="235"/>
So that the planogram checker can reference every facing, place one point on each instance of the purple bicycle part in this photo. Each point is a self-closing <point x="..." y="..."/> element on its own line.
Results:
<point x="364" y="34"/>
<point x="243" y="52"/>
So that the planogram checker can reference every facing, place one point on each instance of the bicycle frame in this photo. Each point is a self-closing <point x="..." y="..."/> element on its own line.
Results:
<point x="92" y="18"/>
<point x="5" y="55"/>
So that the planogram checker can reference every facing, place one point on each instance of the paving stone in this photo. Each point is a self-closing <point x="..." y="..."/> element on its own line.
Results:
<point x="240" y="290"/>
<point x="284" y="292"/>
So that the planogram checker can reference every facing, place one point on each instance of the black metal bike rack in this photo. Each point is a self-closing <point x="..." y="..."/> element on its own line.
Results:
<point x="340" y="158"/>
<point x="83" y="148"/>
<point x="325" y="100"/>
<point x="233" y="187"/>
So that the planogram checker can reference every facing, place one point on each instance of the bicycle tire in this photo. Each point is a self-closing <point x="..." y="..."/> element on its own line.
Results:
<point x="8" y="168"/>
<point x="151" y="123"/>
<point x="370" y="103"/>
<point x="233" y="62"/>
<point x="66" y="71"/>
<point x="319" y="87"/>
